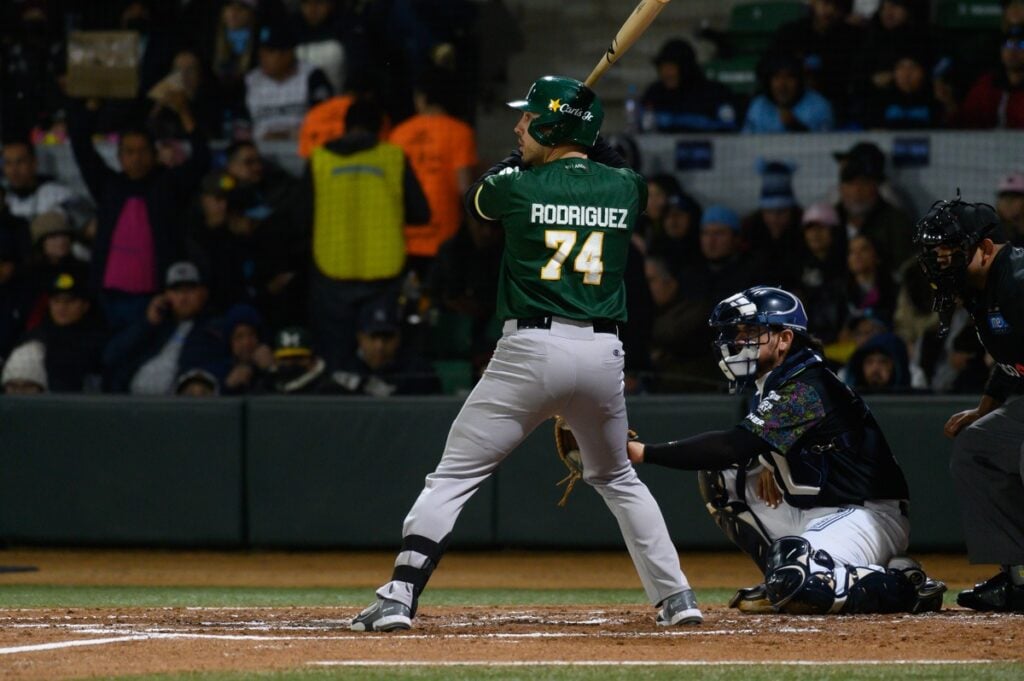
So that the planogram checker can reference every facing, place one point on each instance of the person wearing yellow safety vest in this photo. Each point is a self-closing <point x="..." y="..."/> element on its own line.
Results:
<point x="360" y="193"/>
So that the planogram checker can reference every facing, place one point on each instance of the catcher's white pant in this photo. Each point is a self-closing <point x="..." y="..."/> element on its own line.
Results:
<point x="533" y="375"/>
<point x="852" y="535"/>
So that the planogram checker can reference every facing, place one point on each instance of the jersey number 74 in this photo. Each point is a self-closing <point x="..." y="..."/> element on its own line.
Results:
<point x="588" y="261"/>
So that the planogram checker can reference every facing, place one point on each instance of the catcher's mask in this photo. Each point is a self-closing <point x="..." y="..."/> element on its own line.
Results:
<point x="744" y="323"/>
<point x="568" y="112"/>
<point x="960" y="227"/>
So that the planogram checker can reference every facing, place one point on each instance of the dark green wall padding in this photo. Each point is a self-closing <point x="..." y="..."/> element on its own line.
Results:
<point x="342" y="473"/>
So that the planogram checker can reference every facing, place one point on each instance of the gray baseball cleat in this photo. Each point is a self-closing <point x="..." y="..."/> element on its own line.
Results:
<point x="680" y="608"/>
<point x="383" y="615"/>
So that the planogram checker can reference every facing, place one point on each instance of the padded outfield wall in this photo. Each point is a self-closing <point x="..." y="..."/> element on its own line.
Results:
<point x="336" y="472"/>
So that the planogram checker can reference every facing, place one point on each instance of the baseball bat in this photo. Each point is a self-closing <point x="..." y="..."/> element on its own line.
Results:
<point x="632" y="28"/>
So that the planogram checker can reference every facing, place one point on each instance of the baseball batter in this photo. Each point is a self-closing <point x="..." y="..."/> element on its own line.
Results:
<point x="806" y="483"/>
<point x="567" y="221"/>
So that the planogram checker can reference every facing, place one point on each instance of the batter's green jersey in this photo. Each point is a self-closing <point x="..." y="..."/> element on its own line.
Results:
<point x="567" y="229"/>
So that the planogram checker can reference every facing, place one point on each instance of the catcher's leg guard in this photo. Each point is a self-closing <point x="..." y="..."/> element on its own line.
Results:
<point x="430" y="553"/>
<point x="733" y="517"/>
<point x="791" y="585"/>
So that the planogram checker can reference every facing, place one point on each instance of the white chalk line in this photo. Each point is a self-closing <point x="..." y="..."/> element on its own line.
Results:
<point x="57" y="645"/>
<point x="637" y="663"/>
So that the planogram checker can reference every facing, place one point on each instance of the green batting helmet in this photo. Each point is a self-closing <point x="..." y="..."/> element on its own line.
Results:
<point x="570" y="112"/>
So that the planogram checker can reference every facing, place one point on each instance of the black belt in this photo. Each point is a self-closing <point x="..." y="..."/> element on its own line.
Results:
<point x="600" y="325"/>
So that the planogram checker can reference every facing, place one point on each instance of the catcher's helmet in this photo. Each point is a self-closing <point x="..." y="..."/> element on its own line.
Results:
<point x="959" y="226"/>
<point x="759" y="306"/>
<point x="569" y="112"/>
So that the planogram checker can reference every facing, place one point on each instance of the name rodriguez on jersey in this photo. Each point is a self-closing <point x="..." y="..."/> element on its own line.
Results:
<point x="578" y="216"/>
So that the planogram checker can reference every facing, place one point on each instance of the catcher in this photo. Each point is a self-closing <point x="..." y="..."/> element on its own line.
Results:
<point x="806" y="484"/>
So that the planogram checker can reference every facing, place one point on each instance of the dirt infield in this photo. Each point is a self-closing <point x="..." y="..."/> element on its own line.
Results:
<point x="48" y="643"/>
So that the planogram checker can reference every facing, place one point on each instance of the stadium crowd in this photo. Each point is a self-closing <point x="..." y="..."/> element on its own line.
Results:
<point x="193" y="271"/>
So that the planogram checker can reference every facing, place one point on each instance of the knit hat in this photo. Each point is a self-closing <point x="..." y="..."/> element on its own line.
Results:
<point x="721" y="215"/>
<point x="776" y="185"/>
<point x="49" y="223"/>
<point x="26" y="363"/>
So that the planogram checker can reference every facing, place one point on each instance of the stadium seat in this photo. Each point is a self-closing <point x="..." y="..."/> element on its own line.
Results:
<point x="753" y="24"/>
<point x="456" y="375"/>
<point x="739" y="73"/>
<point x="969" y="14"/>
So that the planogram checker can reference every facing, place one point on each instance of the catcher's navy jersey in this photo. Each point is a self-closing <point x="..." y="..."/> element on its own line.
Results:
<point x="998" y="313"/>
<point x="826" y="448"/>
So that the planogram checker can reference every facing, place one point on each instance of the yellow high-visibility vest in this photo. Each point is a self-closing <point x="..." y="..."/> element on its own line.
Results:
<point x="358" y="213"/>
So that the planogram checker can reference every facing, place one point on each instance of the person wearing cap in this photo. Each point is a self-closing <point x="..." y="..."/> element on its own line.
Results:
<point x="361" y="193"/>
<point x="72" y="332"/>
<point x="280" y="90"/>
<point x="996" y="99"/>
<point x="381" y="367"/>
<point x="297" y="369"/>
<point x="176" y="333"/>
<point x="827" y="44"/>
<point x="722" y="267"/>
<point x="138" y="232"/>
<point x="862" y="209"/>
<point x="771" y="235"/>
<point x="823" y="271"/>
<point x="197" y="383"/>
<point x="683" y="99"/>
<point x="1010" y="206"/>
<point x="24" y="371"/>
<point x="785" y="103"/>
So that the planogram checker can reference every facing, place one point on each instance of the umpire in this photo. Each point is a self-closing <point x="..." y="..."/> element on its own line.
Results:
<point x="968" y="261"/>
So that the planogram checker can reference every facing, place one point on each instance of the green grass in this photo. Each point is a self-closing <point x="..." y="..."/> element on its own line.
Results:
<point x="983" y="672"/>
<point x="43" y="596"/>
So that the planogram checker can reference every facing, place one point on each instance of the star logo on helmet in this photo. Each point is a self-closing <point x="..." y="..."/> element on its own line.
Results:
<point x="555" y="105"/>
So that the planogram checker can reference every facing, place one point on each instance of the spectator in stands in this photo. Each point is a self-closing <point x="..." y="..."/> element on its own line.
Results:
<point x="823" y="272"/>
<point x="722" y="267"/>
<point x="956" y="363"/>
<point x="14" y="295"/>
<point x="28" y="194"/>
<point x="855" y="332"/>
<point x="895" y="26"/>
<point x="880" y="366"/>
<point x="273" y="185"/>
<point x="138" y="232"/>
<point x="175" y="335"/>
<point x="870" y="288"/>
<point x="914" y="318"/>
<point x="155" y="42"/>
<point x="297" y="370"/>
<point x="772" y="234"/>
<point x="316" y="32"/>
<point x="442" y="151"/>
<point x="380" y="366"/>
<point x="680" y="335"/>
<point x="996" y="100"/>
<point x="355" y="187"/>
<point x="52" y="239"/>
<point x="1010" y="206"/>
<point x="671" y="225"/>
<point x="72" y="333"/>
<point x="909" y="102"/>
<point x="197" y="383"/>
<point x="15" y="228"/>
<point x="683" y="99"/>
<point x="33" y="59"/>
<point x="462" y="283"/>
<point x="282" y="88"/>
<point x="25" y="372"/>
<point x="827" y="44"/>
<point x="251" y="358"/>
<point x="189" y="79"/>
<point x="862" y="210"/>
<point x="785" y="103"/>
<point x="231" y="56"/>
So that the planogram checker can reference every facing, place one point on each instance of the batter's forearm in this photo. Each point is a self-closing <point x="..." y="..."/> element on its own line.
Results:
<point x="714" y="450"/>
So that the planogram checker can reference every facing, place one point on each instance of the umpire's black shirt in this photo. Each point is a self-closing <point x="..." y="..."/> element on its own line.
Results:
<point x="998" y="313"/>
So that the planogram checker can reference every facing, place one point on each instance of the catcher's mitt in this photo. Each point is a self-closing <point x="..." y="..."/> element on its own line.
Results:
<point x="569" y="453"/>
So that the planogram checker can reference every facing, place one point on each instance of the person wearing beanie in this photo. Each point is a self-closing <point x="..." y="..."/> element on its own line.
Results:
<point x="25" y="371"/>
<point x="683" y="99"/>
<point x="771" y="234"/>
<point x="722" y="267"/>
<point x="785" y="103"/>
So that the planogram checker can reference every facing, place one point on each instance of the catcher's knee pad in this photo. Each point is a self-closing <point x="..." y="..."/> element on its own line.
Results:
<point x="419" y="576"/>
<point x="798" y="579"/>
<point x="733" y="517"/>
